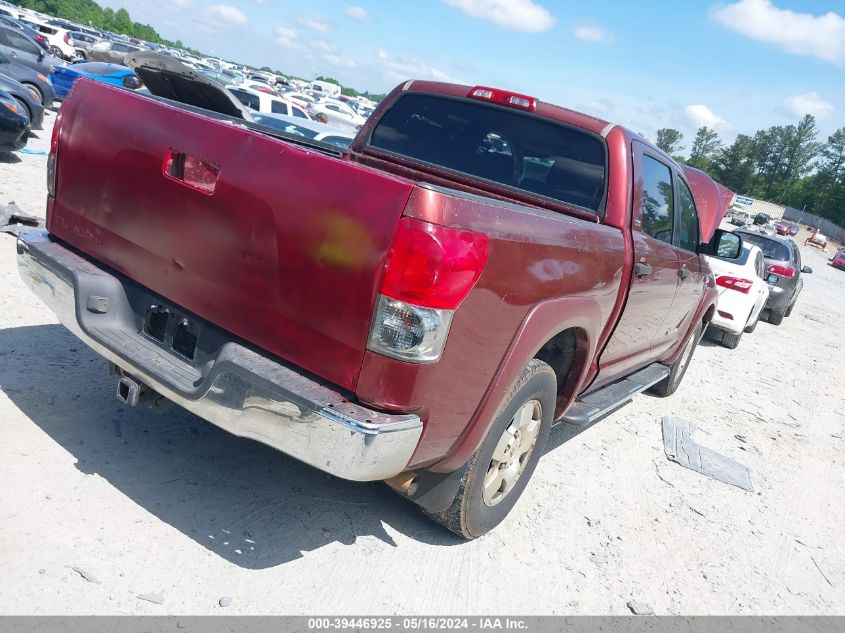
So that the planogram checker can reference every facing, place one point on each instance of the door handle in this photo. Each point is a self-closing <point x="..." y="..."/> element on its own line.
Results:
<point x="641" y="270"/>
<point x="684" y="273"/>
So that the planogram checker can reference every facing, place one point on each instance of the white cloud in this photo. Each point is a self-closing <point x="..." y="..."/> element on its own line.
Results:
<point x="339" y="60"/>
<point x="313" y="21"/>
<point x="519" y="15"/>
<point x="287" y="38"/>
<point x="402" y="68"/>
<point x="821" y="36"/>
<point x="700" y="115"/>
<point x="324" y="46"/>
<point x="809" y="103"/>
<point x="593" y="34"/>
<point x="356" y="13"/>
<point x="229" y="14"/>
<point x="185" y="4"/>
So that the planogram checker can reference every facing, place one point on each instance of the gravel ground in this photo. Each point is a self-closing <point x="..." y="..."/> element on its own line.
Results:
<point x="108" y="510"/>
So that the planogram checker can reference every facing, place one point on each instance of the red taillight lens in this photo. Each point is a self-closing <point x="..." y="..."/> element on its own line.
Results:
<point x="783" y="271"/>
<point x="433" y="266"/>
<point x="503" y="97"/>
<point x="67" y="38"/>
<point x="735" y="283"/>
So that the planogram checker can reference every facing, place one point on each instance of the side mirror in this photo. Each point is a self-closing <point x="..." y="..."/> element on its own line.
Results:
<point x="725" y="245"/>
<point x="807" y="270"/>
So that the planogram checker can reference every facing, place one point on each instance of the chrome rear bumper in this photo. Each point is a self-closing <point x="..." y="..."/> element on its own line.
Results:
<point x="241" y="391"/>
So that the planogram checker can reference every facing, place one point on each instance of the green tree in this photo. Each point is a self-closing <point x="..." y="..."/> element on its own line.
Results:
<point x="733" y="166"/>
<point x="705" y="147"/>
<point x="670" y="140"/>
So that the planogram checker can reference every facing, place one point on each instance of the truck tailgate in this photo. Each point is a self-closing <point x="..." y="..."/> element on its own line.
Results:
<point x="286" y="253"/>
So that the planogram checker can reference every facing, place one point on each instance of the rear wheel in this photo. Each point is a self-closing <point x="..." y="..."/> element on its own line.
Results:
<point x="500" y="469"/>
<point x="789" y="309"/>
<point x="670" y="384"/>
<point x="55" y="51"/>
<point x="776" y="316"/>
<point x="731" y="341"/>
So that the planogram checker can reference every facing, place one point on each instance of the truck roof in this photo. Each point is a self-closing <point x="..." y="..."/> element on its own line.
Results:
<point x="548" y="110"/>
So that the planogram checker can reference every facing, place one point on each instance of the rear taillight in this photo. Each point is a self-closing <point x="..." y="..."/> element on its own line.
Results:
<point x="67" y="38"/>
<point x="783" y="271"/>
<point x="430" y="270"/>
<point x="433" y="266"/>
<point x="53" y="156"/>
<point x="735" y="283"/>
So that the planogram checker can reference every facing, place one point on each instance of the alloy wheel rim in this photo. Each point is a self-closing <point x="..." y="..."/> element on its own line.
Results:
<point x="512" y="452"/>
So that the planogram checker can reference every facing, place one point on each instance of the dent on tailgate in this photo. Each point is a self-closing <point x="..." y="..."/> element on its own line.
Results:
<point x="286" y="253"/>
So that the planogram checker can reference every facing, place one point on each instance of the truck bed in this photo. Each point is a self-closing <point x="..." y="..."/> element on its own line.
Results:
<point x="286" y="252"/>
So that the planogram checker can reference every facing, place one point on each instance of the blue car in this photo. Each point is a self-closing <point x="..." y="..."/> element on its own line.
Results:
<point x="63" y="77"/>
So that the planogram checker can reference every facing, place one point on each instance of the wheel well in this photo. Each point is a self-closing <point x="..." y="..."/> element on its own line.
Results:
<point x="29" y="84"/>
<point x="563" y="352"/>
<point x="25" y="106"/>
<point x="708" y="316"/>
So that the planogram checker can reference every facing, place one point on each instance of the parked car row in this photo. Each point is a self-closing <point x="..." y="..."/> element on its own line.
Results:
<point x="767" y="277"/>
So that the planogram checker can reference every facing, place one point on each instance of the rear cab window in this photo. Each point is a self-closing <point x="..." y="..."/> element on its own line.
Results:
<point x="688" y="218"/>
<point x="657" y="206"/>
<point x="502" y="145"/>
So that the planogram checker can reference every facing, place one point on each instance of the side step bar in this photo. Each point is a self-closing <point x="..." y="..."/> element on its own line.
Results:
<point x="606" y="400"/>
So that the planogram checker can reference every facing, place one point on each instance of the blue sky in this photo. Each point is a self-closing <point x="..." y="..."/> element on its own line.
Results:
<point x="737" y="66"/>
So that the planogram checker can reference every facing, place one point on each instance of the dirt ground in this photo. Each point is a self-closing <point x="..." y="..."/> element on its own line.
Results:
<point x="110" y="510"/>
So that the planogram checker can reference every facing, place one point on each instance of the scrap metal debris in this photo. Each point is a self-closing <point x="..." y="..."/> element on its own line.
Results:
<point x="638" y="607"/>
<point x="87" y="575"/>
<point x="13" y="220"/>
<point x="681" y="449"/>
<point x="155" y="598"/>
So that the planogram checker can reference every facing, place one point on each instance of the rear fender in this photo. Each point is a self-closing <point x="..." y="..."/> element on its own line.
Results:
<point x="543" y="322"/>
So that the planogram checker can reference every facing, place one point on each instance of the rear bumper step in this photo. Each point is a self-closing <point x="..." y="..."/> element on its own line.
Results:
<point x="235" y="388"/>
<point x="606" y="400"/>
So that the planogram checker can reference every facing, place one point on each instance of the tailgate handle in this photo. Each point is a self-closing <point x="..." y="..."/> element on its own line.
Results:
<point x="189" y="170"/>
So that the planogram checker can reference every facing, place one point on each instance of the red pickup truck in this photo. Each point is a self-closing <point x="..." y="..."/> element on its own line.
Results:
<point x="419" y="309"/>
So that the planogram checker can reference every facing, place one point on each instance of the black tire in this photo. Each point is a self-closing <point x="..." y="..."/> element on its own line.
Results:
<point x="55" y="51"/>
<point x="789" y="309"/>
<point x="25" y="108"/>
<point x="670" y="384"/>
<point x="731" y="341"/>
<point x="776" y="316"/>
<point x="470" y="516"/>
<point x="36" y="93"/>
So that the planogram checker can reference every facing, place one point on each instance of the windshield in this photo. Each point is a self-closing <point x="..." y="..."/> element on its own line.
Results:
<point x="503" y="145"/>
<point x="772" y="249"/>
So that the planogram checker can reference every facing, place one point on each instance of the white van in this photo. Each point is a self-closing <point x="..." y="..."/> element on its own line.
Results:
<point x="325" y="88"/>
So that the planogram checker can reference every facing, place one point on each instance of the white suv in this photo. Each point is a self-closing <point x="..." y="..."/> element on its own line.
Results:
<point x="58" y="39"/>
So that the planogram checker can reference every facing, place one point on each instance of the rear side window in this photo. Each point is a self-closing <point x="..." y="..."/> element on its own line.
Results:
<point x="498" y="144"/>
<point x="250" y="101"/>
<point x="657" y="205"/>
<point x="771" y="249"/>
<point x="299" y="113"/>
<point x="689" y="218"/>
<point x="20" y="42"/>
<point x="278" y="107"/>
